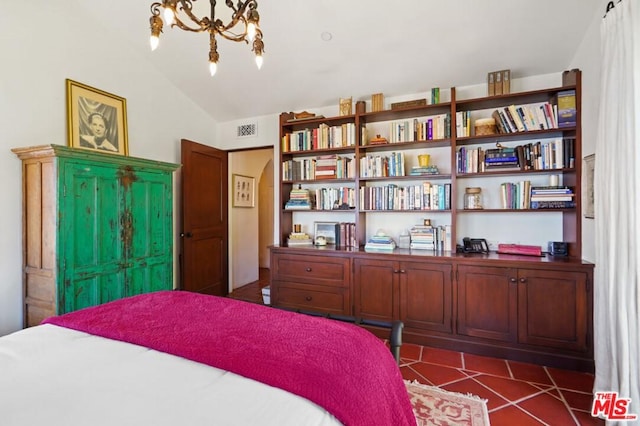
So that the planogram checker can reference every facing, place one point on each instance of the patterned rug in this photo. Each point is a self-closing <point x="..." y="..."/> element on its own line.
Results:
<point x="437" y="407"/>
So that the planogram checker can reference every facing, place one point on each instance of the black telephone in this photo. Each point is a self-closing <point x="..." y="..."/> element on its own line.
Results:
<point x="475" y="245"/>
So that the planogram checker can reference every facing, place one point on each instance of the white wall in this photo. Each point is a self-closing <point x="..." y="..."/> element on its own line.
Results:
<point x="42" y="44"/>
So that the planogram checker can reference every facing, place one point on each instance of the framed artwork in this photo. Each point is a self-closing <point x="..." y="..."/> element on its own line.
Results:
<point x="327" y="230"/>
<point x="244" y="188"/>
<point x="96" y="120"/>
<point x="588" y="166"/>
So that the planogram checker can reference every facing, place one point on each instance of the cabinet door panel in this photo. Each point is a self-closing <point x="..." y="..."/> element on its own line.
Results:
<point x="426" y="296"/>
<point x="553" y="309"/>
<point x="90" y="236"/>
<point x="374" y="289"/>
<point x="149" y="247"/>
<point x="487" y="302"/>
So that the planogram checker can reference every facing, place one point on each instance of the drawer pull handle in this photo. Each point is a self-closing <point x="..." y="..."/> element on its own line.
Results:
<point x="308" y="269"/>
<point x="308" y="298"/>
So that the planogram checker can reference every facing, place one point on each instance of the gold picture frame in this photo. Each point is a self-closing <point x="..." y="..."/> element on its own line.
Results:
<point x="96" y="120"/>
<point x="244" y="191"/>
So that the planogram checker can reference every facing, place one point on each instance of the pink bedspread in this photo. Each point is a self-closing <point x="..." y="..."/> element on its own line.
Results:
<point x="339" y="366"/>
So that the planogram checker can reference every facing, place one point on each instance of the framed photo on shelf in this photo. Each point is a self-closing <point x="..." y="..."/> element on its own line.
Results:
<point x="244" y="188"/>
<point x="588" y="166"/>
<point x="328" y="230"/>
<point x="96" y="120"/>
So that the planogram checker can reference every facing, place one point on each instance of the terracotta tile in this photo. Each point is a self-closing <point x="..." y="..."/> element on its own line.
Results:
<point x="513" y="390"/>
<point x="438" y="374"/>
<point x="442" y="357"/>
<point x="471" y="386"/>
<point x="410" y="374"/>
<point x="409" y="351"/>
<point x="510" y="416"/>
<point x="581" y="401"/>
<point x="585" y="419"/>
<point x="482" y="364"/>
<point x="548" y="409"/>
<point x="573" y="380"/>
<point x="529" y="372"/>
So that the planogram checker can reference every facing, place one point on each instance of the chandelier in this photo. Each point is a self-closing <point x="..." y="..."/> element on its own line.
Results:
<point x="244" y="15"/>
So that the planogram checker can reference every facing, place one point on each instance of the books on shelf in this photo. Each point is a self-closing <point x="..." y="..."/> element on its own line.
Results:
<point x="430" y="237"/>
<point x="424" y="196"/>
<point x="552" y="197"/>
<point x="299" y="199"/>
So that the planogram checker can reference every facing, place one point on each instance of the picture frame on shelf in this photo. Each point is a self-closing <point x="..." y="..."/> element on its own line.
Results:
<point x="96" y="120"/>
<point x="328" y="230"/>
<point x="243" y="191"/>
<point x="589" y="165"/>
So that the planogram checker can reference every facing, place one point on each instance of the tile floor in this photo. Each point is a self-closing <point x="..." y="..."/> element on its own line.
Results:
<point x="516" y="393"/>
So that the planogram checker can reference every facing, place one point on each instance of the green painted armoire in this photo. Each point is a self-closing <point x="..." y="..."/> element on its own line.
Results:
<point x="96" y="227"/>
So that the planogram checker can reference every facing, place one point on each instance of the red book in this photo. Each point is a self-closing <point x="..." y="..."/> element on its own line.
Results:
<point x="520" y="249"/>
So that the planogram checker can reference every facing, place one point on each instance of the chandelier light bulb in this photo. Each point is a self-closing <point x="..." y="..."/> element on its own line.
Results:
<point x="168" y="16"/>
<point x="259" y="61"/>
<point x="154" y="41"/>
<point x="251" y="31"/>
<point x="213" y="67"/>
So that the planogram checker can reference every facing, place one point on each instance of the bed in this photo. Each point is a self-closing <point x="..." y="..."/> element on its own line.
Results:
<point x="180" y="358"/>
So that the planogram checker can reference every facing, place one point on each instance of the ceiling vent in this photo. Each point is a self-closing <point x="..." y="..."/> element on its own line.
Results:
<point x="247" y="130"/>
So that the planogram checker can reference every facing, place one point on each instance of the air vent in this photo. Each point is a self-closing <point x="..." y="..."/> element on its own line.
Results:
<point x="247" y="130"/>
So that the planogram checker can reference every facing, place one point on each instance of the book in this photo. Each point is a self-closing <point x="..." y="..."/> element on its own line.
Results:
<point x="566" y="108"/>
<point x="520" y="249"/>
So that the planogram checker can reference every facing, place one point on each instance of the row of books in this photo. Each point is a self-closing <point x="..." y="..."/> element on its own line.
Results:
<point x="547" y="155"/>
<point x="425" y="196"/>
<point x="322" y="137"/>
<point x="382" y="165"/>
<point x="524" y="118"/>
<point x="342" y="198"/>
<point x="323" y="167"/>
<point x="427" y="237"/>
<point x="430" y="128"/>
<point x="521" y="195"/>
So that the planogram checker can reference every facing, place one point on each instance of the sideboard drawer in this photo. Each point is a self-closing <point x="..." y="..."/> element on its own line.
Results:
<point x="297" y="297"/>
<point x="324" y="270"/>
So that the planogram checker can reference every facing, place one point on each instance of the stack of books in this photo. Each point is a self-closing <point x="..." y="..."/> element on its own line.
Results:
<point x="299" y="199"/>
<point x="423" y="237"/>
<point x="299" y="239"/>
<point x="424" y="170"/>
<point x="501" y="159"/>
<point x="552" y="197"/>
<point x="380" y="243"/>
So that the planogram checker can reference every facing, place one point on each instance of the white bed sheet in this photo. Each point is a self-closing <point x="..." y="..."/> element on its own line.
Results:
<point x="56" y="376"/>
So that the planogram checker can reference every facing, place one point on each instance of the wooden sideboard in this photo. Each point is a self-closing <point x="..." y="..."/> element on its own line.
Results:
<point x="530" y="309"/>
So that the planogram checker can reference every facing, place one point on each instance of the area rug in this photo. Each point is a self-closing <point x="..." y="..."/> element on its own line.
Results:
<point x="437" y="407"/>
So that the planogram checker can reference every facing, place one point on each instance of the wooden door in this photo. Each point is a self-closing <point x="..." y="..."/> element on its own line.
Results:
<point x="553" y="309"/>
<point x="487" y="302"/>
<point x="426" y="296"/>
<point x="204" y="264"/>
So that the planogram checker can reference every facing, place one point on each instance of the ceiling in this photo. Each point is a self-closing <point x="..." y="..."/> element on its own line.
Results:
<point x="399" y="47"/>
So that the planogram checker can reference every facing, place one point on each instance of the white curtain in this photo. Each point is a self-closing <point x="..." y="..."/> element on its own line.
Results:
<point x="617" y="207"/>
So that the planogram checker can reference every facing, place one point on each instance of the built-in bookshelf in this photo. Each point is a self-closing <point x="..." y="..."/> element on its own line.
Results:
<point x="363" y="168"/>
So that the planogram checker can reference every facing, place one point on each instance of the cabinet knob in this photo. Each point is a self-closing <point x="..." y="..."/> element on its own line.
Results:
<point x="523" y="280"/>
<point x="402" y="271"/>
<point x="308" y="269"/>
<point x="308" y="298"/>
<point x="396" y="271"/>
<point x="186" y="235"/>
<point x="513" y="280"/>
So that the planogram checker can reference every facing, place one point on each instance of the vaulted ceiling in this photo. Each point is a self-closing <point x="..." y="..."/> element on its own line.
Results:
<point x="398" y="47"/>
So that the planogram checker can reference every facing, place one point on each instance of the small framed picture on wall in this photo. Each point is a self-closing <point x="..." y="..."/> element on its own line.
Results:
<point x="243" y="191"/>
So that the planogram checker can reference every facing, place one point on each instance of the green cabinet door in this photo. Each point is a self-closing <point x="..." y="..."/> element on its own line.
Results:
<point x="90" y="236"/>
<point x="115" y="231"/>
